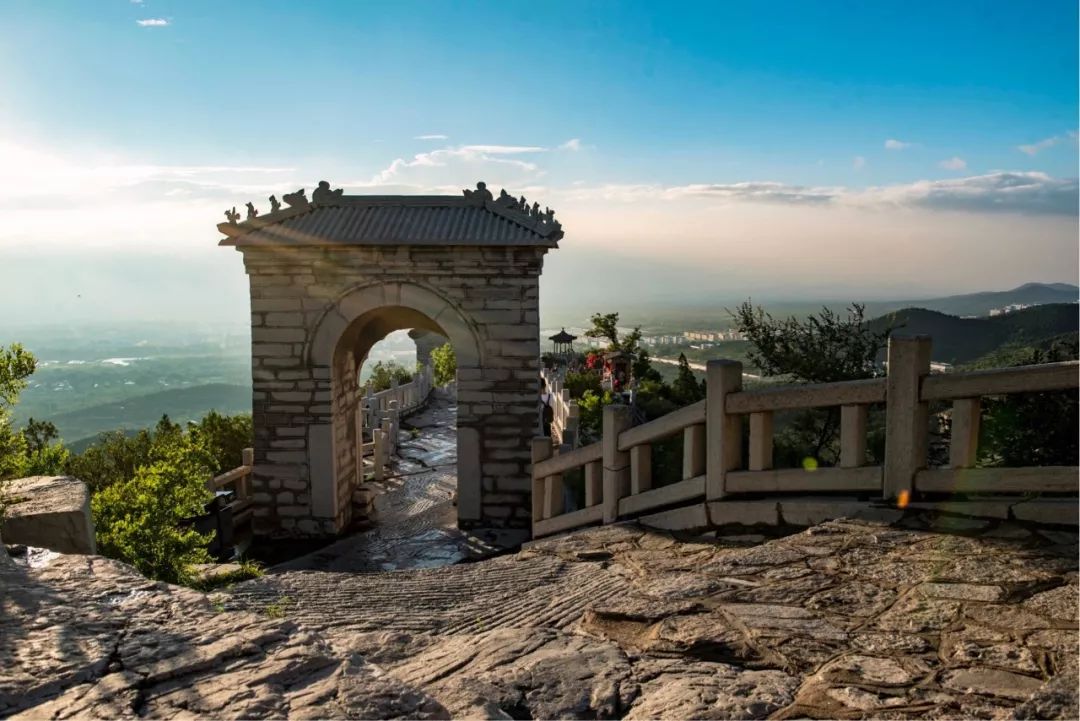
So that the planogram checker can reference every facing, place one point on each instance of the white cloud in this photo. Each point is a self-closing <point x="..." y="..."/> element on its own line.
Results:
<point x="954" y="163"/>
<point x="433" y="136"/>
<point x="504" y="149"/>
<point x="31" y="176"/>
<point x="447" y="167"/>
<point x="573" y="144"/>
<point x="859" y="162"/>
<point x="1030" y="193"/>
<point x="1008" y="227"/>
<point x="1014" y="192"/>
<point x="152" y="23"/>
<point x="893" y="144"/>
<point x="1034" y="148"/>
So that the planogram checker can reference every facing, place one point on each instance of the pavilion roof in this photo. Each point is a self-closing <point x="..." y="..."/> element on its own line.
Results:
<point x="563" y="337"/>
<point x="331" y="218"/>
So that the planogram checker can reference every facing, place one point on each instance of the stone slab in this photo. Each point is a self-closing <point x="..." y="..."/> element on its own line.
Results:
<point x="50" y="512"/>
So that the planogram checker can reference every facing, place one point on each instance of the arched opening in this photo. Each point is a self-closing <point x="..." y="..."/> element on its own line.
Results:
<point x="343" y="341"/>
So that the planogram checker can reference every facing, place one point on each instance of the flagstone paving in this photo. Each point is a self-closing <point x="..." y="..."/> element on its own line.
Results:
<point x="844" y="620"/>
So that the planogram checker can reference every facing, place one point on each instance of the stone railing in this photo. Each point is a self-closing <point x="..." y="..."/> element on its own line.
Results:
<point x="565" y="414"/>
<point x="239" y="479"/>
<point x="379" y="417"/>
<point x="618" y="472"/>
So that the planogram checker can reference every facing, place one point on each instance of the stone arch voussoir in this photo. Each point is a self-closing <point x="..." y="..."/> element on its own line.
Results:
<point x="450" y="320"/>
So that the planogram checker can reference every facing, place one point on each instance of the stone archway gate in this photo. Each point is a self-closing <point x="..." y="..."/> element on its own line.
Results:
<point x="330" y="277"/>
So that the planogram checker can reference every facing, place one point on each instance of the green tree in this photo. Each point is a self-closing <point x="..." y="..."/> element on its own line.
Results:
<point x="114" y="458"/>
<point x="16" y="365"/>
<point x="579" y="383"/>
<point x="821" y="348"/>
<point x="605" y="326"/>
<point x="44" y="454"/>
<point x="686" y="388"/>
<point x="141" y="520"/>
<point x="591" y="415"/>
<point x="383" y="375"/>
<point x="1032" y="429"/>
<point x="444" y="364"/>
<point x="223" y="438"/>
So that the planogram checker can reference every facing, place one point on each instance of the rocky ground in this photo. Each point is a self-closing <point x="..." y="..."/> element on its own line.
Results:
<point x="843" y="620"/>
<point x="934" y="617"/>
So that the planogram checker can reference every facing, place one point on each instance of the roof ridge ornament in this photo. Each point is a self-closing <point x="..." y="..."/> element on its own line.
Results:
<point x="324" y="196"/>
<point x="519" y="206"/>
<point x="232" y="216"/>
<point x="479" y="196"/>
<point x="252" y="212"/>
<point x="296" y="200"/>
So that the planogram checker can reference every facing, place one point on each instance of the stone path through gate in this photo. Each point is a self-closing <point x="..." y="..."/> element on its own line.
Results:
<point x="414" y="522"/>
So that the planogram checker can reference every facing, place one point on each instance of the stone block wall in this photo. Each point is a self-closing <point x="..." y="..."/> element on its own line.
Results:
<point x="316" y="311"/>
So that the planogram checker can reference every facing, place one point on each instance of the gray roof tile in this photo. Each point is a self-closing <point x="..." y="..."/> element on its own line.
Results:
<point x="394" y="220"/>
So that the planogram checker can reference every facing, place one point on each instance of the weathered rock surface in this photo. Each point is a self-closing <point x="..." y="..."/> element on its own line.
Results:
<point x="87" y="637"/>
<point x="49" y="512"/>
<point x="845" y="620"/>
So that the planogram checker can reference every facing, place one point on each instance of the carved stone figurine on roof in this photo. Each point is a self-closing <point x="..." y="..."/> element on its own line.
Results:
<point x="322" y="195"/>
<point x="544" y="219"/>
<point x="479" y="195"/>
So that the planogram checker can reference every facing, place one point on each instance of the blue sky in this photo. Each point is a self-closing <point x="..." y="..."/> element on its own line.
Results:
<point x="752" y="116"/>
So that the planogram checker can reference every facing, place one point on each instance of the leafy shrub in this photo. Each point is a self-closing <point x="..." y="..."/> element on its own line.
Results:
<point x="1032" y="429"/>
<point x="140" y="520"/>
<point x="223" y="438"/>
<point x="383" y="376"/>
<point x="591" y="415"/>
<point x="143" y="486"/>
<point x="16" y="365"/>
<point x="445" y="364"/>
<point x="820" y="348"/>
<point x="116" y="456"/>
<point x="579" y="383"/>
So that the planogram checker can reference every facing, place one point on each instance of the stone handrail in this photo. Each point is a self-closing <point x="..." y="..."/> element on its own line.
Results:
<point x="564" y="410"/>
<point x="378" y="416"/>
<point x="239" y="477"/>
<point x="240" y="480"/>
<point x="618" y="469"/>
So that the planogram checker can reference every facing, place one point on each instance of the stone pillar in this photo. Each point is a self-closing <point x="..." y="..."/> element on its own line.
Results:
<point x="426" y="341"/>
<point x="290" y="406"/>
<point x="906" y="416"/>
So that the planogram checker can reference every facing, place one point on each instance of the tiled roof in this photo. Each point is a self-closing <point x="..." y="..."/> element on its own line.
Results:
<point x="395" y="220"/>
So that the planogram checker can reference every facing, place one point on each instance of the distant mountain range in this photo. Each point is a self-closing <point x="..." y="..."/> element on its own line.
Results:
<point x="980" y="304"/>
<point x="963" y="340"/>
<point x="697" y="313"/>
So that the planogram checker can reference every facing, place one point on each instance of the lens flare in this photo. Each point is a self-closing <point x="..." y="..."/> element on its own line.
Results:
<point x="903" y="499"/>
<point x="809" y="464"/>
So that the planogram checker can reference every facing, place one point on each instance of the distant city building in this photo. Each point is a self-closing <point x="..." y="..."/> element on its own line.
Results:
<point x="1011" y="308"/>
<point x="714" y="336"/>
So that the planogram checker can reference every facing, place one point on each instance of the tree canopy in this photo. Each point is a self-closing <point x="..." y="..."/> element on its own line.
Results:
<point x="821" y="348"/>
<point x="445" y="364"/>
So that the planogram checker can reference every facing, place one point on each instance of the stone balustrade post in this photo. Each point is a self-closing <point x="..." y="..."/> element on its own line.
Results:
<point x="379" y="455"/>
<point x="723" y="431"/>
<point x="616" y="463"/>
<point x="541" y="451"/>
<point x="906" y="416"/>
